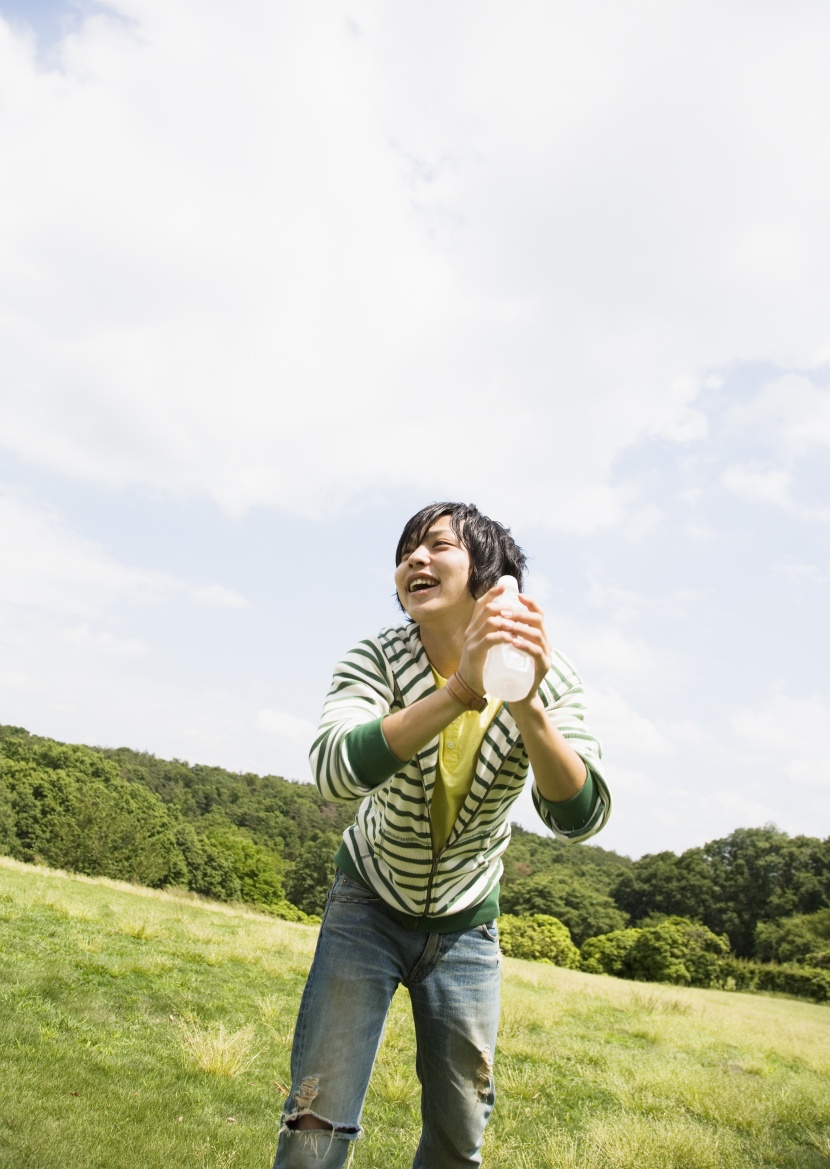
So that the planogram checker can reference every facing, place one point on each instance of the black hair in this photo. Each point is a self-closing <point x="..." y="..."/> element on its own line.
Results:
<point x="493" y="551"/>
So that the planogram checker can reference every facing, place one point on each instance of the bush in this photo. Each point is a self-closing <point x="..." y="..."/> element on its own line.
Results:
<point x="684" y="953"/>
<point x="678" y="951"/>
<point x="806" y="982"/>
<point x="675" y="950"/>
<point x="608" y="953"/>
<point x="539" y="938"/>
<point x="802" y="981"/>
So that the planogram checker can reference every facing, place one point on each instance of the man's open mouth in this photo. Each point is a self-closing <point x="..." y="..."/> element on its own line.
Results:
<point x="421" y="583"/>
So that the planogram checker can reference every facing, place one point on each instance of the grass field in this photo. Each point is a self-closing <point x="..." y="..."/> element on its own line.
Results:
<point x="144" y="1029"/>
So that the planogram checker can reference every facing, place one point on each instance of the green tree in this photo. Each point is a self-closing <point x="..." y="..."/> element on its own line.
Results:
<point x="571" y="898"/>
<point x="9" y="844"/>
<point x="751" y="876"/>
<point x="212" y="873"/>
<point x="117" y="830"/>
<point x="664" y="883"/>
<point x="801" y="938"/>
<point x="277" y="813"/>
<point x="258" y="870"/>
<point x="72" y="810"/>
<point x="310" y="876"/>
<point x="532" y="855"/>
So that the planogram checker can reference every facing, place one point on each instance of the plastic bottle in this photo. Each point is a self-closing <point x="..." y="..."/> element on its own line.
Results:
<point x="508" y="672"/>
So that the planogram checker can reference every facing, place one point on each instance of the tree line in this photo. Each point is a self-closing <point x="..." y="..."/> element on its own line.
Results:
<point x="745" y="910"/>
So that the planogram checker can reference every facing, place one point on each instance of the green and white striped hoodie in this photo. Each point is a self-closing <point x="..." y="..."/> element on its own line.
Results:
<point x="390" y="843"/>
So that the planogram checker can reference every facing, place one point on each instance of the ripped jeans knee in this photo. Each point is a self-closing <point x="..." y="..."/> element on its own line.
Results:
<point x="315" y="1133"/>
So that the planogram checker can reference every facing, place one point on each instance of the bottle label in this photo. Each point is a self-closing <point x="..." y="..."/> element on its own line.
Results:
<point x="516" y="659"/>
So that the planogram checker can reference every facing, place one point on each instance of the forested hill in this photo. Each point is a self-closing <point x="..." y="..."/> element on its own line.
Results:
<point x="270" y="841"/>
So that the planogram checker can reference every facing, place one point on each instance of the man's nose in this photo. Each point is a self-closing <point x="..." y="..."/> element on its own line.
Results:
<point x="419" y="555"/>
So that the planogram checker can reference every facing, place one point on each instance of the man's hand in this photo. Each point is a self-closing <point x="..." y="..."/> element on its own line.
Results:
<point x="493" y="623"/>
<point x="558" y="770"/>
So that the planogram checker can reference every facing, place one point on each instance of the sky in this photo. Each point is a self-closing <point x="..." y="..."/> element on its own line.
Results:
<point x="274" y="276"/>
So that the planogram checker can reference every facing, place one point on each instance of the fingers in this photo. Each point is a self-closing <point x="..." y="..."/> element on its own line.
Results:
<point x="488" y="627"/>
<point x="526" y="629"/>
<point x="497" y="619"/>
<point x="494" y="610"/>
<point x="528" y="620"/>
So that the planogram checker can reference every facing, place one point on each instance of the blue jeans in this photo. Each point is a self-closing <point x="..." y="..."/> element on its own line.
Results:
<point x="362" y="955"/>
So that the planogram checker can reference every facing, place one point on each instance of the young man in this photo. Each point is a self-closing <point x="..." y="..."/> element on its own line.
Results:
<point x="408" y="726"/>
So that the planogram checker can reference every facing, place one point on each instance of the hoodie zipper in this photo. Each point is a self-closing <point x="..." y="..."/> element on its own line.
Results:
<point x="436" y="854"/>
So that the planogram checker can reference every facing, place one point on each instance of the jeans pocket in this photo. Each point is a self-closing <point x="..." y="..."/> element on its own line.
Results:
<point x="489" y="930"/>
<point x="346" y="889"/>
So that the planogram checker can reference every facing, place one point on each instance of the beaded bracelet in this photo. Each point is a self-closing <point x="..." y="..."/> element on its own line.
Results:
<point x="463" y="694"/>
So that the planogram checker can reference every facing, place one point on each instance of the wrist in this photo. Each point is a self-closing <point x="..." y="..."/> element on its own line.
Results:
<point x="527" y="709"/>
<point x="463" y="694"/>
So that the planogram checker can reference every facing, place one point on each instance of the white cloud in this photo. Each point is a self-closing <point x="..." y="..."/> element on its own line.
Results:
<point x="18" y="682"/>
<point x="795" y="732"/>
<point x="90" y="687"/>
<point x="219" y="595"/>
<point x="290" y="257"/>
<point x="277" y="256"/>
<point x="744" y="809"/>
<point x="797" y="574"/>
<point x="102" y="643"/>
<point x="285" y="725"/>
<point x="676" y="418"/>
<point x="786" y="725"/>
<point x="47" y="566"/>
<point x="804" y="409"/>
<point x="701" y="533"/>
<point x="759" y="484"/>
<point x="607" y="652"/>
<point x="688" y="734"/>
<point x="626" y="605"/>
<point x="625" y="734"/>
<point x="811" y="773"/>
<point x="791" y="412"/>
<point x="538" y="585"/>
<point x="788" y="422"/>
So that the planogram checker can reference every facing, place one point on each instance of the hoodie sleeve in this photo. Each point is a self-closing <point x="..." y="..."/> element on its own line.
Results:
<point x="350" y="756"/>
<point x="582" y="816"/>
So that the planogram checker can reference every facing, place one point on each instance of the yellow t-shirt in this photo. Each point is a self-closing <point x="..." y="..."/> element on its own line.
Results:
<point x="458" y="748"/>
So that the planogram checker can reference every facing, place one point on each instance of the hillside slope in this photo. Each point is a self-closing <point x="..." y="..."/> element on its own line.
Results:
<point x="145" y="1027"/>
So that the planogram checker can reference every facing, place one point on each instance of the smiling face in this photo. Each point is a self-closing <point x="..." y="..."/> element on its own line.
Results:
<point x="432" y="577"/>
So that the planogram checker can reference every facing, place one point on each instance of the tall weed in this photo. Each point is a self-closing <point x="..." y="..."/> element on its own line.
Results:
<point x="220" y="1052"/>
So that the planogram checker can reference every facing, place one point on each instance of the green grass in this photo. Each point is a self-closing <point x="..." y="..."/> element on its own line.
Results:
<point x="144" y="1028"/>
